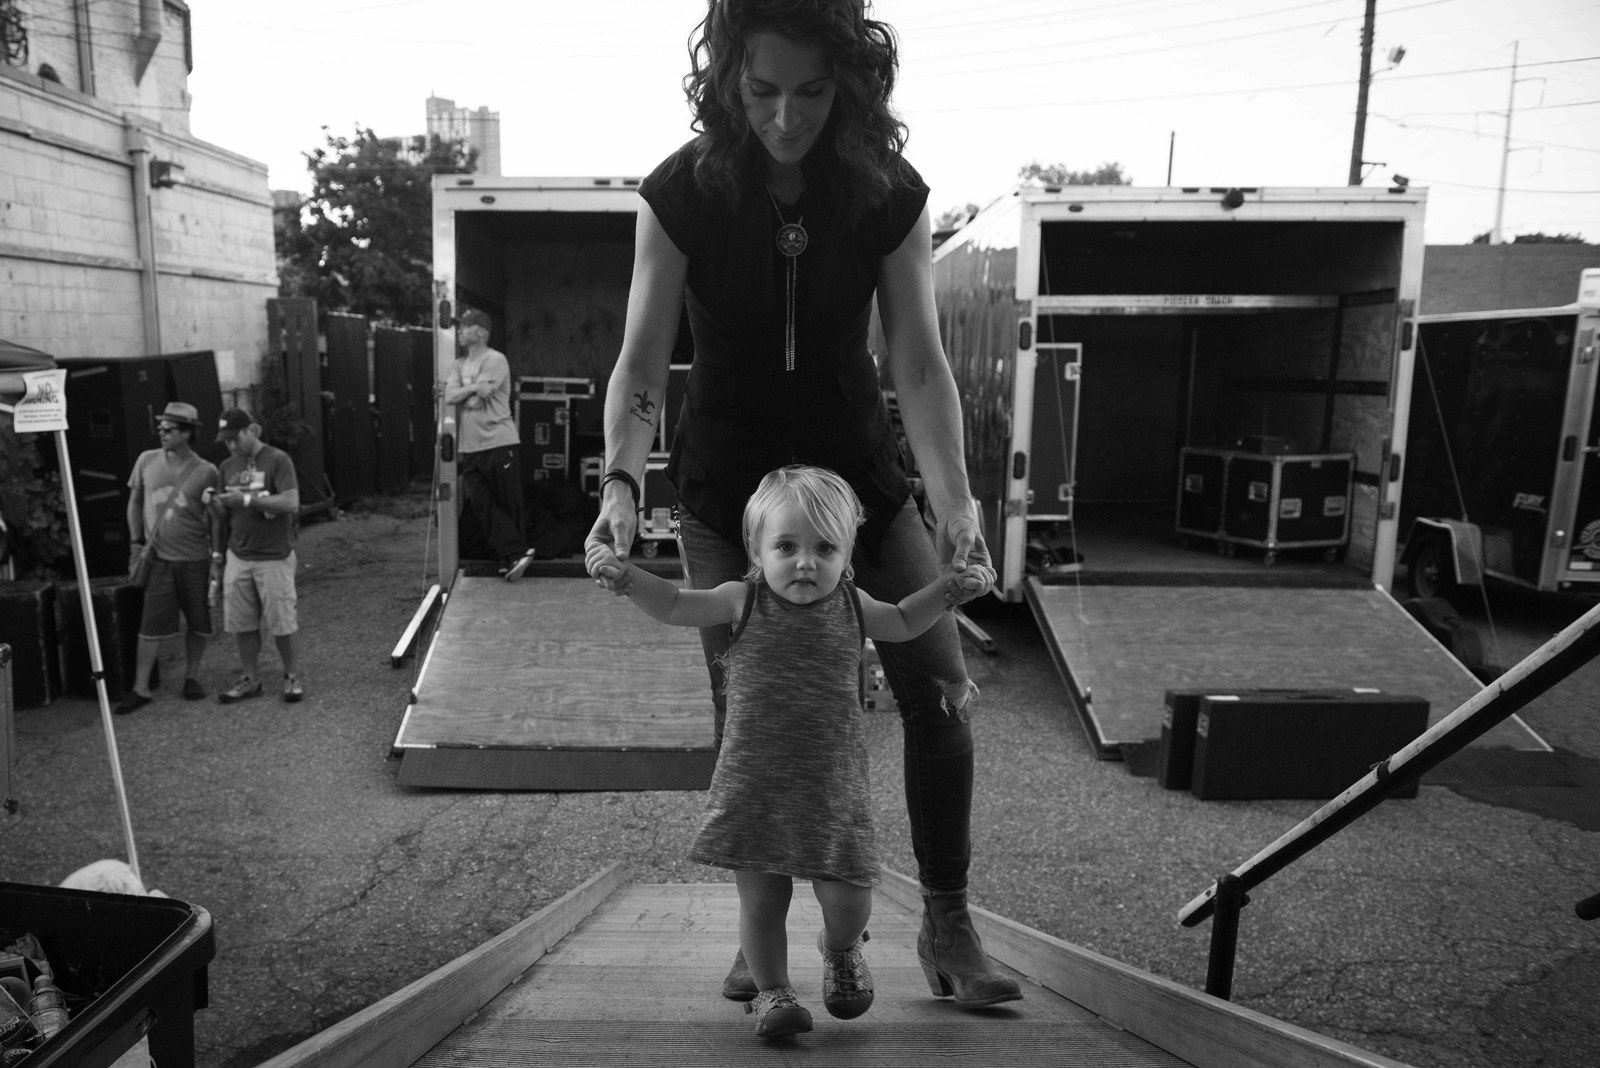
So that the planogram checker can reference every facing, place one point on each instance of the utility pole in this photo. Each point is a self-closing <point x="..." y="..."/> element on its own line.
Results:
<point x="1361" y="94"/>
<point x="1495" y="236"/>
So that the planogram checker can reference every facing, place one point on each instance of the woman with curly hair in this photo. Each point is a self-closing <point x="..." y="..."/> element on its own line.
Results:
<point x="774" y="228"/>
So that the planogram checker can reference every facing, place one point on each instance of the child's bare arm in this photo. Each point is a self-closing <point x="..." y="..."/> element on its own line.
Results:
<point x="663" y="600"/>
<point x="913" y="615"/>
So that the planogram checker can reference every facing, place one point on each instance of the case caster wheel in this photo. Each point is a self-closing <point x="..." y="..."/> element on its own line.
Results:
<point x="1271" y="557"/>
<point x="650" y="549"/>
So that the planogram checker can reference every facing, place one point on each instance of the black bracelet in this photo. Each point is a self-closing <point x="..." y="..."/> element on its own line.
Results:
<point x="616" y="474"/>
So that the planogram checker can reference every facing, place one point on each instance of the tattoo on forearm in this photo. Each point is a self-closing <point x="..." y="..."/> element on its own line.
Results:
<point x="643" y="408"/>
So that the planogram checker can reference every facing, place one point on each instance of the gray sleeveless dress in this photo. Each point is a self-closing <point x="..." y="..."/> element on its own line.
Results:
<point x="790" y="792"/>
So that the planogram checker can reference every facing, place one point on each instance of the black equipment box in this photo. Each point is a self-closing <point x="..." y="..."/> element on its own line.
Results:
<point x="117" y="611"/>
<point x="1262" y="744"/>
<point x="28" y="625"/>
<point x="1271" y="502"/>
<point x="1175" y="759"/>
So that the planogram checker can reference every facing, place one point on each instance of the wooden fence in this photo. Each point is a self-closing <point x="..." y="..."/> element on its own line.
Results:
<point x="364" y="397"/>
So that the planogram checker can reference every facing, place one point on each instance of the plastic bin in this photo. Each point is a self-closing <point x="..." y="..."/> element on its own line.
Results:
<point x="130" y="966"/>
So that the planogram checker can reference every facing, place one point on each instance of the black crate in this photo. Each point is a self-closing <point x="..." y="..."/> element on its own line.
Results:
<point x="1279" y="502"/>
<point x="28" y="625"/>
<point x="125" y="963"/>
<point x="117" y="611"/>
<point x="1259" y="744"/>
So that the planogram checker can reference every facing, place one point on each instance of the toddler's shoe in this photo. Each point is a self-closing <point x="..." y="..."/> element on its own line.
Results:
<point x="192" y="690"/>
<point x="778" y="1012"/>
<point x="846" y="982"/>
<point x="292" y="690"/>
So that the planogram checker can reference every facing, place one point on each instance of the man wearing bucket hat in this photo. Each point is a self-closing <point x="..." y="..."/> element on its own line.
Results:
<point x="257" y="505"/>
<point x="169" y="523"/>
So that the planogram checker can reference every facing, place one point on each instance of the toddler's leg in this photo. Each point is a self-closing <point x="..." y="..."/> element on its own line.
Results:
<point x="763" y="916"/>
<point x="846" y="982"/>
<point x="763" y="934"/>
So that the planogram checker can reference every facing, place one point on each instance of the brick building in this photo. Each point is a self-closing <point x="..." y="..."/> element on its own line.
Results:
<point x="120" y="233"/>
<point x="1472" y="278"/>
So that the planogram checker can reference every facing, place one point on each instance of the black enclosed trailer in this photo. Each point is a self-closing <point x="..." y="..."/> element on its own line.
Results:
<point x="1503" y="477"/>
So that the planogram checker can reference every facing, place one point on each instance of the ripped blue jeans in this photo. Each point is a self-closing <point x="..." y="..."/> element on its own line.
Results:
<point x="937" y="734"/>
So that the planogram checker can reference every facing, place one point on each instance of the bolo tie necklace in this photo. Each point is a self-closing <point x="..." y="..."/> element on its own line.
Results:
<point x="792" y="240"/>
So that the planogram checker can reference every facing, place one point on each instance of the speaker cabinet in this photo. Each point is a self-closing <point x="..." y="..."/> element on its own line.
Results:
<point x="117" y="609"/>
<point x="1256" y="744"/>
<point x="28" y="625"/>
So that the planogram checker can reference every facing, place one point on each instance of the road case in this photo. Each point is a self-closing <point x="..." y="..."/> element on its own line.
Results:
<point x="1260" y="744"/>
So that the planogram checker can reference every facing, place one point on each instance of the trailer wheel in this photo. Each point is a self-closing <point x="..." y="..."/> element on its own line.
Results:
<point x="1432" y="572"/>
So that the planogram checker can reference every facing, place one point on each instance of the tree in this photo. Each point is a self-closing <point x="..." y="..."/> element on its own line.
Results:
<point x="1057" y="174"/>
<point x="1536" y="239"/>
<point x="955" y="218"/>
<point x="1036" y="173"/>
<point x="363" y="240"/>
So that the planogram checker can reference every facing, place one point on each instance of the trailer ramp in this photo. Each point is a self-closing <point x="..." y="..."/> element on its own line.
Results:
<point x="1120" y="647"/>
<point x="618" y="973"/>
<point x="550" y="684"/>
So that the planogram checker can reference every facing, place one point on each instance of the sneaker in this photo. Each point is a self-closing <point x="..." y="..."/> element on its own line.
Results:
<point x="192" y="690"/>
<point x="778" y="1012"/>
<point x="519" y="567"/>
<point x="292" y="690"/>
<point x="846" y="982"/>
<point x="131" y="702"/>
<point x="246" y="687"/>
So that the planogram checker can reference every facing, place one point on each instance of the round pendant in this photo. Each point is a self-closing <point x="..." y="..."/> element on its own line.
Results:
<point x="792" y="239"/>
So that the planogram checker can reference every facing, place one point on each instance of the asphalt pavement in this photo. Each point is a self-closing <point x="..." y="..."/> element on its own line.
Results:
<point x="1439" y="931"/>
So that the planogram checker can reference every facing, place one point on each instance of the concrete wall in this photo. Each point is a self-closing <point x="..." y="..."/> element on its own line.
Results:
<point x="77" y="279"/>
<point x="1469" y="278"/>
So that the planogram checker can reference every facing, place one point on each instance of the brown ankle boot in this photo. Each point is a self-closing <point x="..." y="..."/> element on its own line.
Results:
<point x="739" y="985"/>
<point x="953" y="959"/>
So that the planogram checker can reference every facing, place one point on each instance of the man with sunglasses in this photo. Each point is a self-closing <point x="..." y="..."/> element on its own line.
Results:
<point x="167" y="500"/>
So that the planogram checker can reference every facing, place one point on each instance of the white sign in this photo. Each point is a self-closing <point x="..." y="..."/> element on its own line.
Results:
<point x="43" y="406"/>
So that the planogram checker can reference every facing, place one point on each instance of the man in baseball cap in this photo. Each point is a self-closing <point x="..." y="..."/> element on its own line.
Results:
<point x="258" y="503"/>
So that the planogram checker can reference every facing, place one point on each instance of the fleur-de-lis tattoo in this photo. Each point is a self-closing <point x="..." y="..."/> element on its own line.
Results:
<point x="643" y="406"/>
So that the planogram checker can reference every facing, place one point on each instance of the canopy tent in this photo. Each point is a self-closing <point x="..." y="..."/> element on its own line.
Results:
<point x="17" y="364"/>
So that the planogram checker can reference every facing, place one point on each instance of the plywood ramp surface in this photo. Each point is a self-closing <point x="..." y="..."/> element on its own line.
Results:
<point x="1127" y="645"/>
<point x="557" y="663"/>
<point x="638" y="982"/>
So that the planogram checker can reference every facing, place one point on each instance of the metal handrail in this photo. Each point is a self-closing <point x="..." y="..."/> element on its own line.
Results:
<point x="1543" y="668"/>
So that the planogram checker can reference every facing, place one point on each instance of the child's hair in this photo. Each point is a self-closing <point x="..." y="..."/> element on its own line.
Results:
<point x="826" y="499"/>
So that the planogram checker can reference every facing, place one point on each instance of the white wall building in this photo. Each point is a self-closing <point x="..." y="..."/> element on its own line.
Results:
<point x="121" y="235"/>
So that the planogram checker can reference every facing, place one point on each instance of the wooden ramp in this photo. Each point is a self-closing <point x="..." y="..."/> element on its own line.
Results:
<point x="550" y="684"/>
<point x="617" y="974"/>
<point x="1119" y="648"/>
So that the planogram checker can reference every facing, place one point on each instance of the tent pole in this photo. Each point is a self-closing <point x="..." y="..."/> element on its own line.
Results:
<point x="92" y="632"/>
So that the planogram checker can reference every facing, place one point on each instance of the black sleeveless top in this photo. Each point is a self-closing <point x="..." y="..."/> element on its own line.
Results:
<point x="743" y="413"/>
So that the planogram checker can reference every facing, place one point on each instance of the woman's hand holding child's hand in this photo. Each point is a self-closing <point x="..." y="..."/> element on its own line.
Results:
<point x="607" y="569"/>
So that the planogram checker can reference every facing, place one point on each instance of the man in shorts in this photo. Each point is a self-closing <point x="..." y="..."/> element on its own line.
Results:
<point x="167" y="498"/>
<point x="259" y="499"/>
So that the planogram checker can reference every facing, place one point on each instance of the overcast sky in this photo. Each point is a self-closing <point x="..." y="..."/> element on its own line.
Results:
<point x="1225" y="92"/>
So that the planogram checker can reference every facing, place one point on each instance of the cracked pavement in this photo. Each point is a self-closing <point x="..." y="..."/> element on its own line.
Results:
<point x="1438" y="931"/>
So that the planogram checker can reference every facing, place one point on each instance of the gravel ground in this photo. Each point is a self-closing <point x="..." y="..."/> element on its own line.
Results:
<point x="1438" y="931"/>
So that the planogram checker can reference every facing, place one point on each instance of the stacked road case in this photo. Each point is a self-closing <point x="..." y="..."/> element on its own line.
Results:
<point x="1272" y="503"/>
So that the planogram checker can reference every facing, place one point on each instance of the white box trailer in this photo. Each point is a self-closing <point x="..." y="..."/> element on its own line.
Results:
<point x="1096" y="331"/>
<point x="1099" y="332"/>
<point x="1504" y="476"/>
<point x="520" y="686"/>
